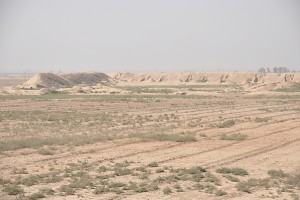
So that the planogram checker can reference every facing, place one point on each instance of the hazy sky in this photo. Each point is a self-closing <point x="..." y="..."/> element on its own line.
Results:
<point x="148" y="35"/>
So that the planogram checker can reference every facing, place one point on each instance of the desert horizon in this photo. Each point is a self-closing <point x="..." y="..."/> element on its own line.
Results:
<point x="156" y="100"/>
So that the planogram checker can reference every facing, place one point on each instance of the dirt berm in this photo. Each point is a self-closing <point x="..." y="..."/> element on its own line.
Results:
<point x="249" y="80"/>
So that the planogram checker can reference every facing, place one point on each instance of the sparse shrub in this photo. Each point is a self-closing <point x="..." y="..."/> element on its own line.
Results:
<point x="234" y="136"/>
<point x="294" y="180"/>
<point x="160" y="170"/>
<point x="37" y="195"/>
<point x="260" y="120"/>
<point x="197" y="177"/>
<point x="171" y="137"/>
<point x="144" y="175"/>
<point x="153" y="164"/>
<point x="123" y="164"/>
<point x="153" y="186"/>
<point x="246" y="186"/>
<point x="54" y="178"/>
<point x="4" y="181"/>
<point x="101" y="189"/>
<point x="116" y="184"/>
<point x="81" y="182"/>
<point x="141" y="169"/>
<point x="67" y="190"/>
<point x="277" y="174"/>
<point x="47" y="191"/>
<point x="199" y="186"/>
<point x="239" y="171"/>
<point x="45" y="151"/>
<point x="203" y="135"/>
<point x="20" y="171"/>
<point x="13" y="189"/>
<point x="212" y="178"/>
<point x="243" y="187"/>
<point x="220" y="193"/>
<point x="102" y="169"/>
<point x="224" y="170"/>
<point x="178" y="188"/>
<point x="226" y="124"/>
<point x="167" y="191"/>
<point x="122" y="171"/>
<point x="31" y="180"/>
<point x="232" y="178"/>
<point x="143" y="187"/>
<point x="209" y="188"/>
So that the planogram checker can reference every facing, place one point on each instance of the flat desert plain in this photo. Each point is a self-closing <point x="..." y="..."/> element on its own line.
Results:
<point x="148" y="143"/>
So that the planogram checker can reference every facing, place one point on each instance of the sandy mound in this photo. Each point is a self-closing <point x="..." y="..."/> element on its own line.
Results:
<point x="48" y="80"/>
<point x="91" y="82"/>
<point x="95" y="89"/>
<point x="208" y="77"/>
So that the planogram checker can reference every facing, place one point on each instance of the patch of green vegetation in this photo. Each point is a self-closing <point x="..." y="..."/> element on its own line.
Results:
<point x="235" y="170"/>
<point x="47" y="191"/>
<point x="31" y="180"/>
<point x="153" y="164"/>
<point x="67" y="190"/>
<point x="37" y="195"/>
<point x="246" y="186"/>
<point x="167" y="190"/>
<point x="36" y="142"/>
<point x="13" y="189"/>
<point x="4" y="181"/>
<point x="294" y="180"/>
<point x="52" y="178"/>
<point x="120" y="171"/>
<point x="81" y="182"/>
<point x="295" y="89"/>
<point x="212" y="179"/>
<point x="195" y="174"/>
<point x="144" y="175"/>
<point x="234" y="136"/>
<point x="178" y="188"/>
<point x="232" y="178"/>
<point x="261" y="120"/>
<point x="265" y="109"/>
<point x="102" y="169"/>
<point x="220" y="193"/>
<point x="141" y="169"/>
<point x="23" y="170"/>
<point x="170" y="137"/>
<point x="277" y="174"/>
<point x="208" y="188"/>
<point x="160" y="170"/>
<point x="226" y="123"/>
<point x="122" y="164"/>
<point x="46" y="151"/>
<point x="101" y="189"/>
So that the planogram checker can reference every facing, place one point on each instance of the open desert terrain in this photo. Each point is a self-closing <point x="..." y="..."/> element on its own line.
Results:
<point x="151" y="136"/>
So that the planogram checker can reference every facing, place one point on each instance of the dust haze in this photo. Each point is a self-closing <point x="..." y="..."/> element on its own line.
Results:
<point x="149" y="100"/>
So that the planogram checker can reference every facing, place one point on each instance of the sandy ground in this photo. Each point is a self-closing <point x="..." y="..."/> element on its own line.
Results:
<point x="128" y="124"/>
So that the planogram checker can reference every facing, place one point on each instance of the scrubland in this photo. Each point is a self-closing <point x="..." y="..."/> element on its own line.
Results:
<point x="151" y="143"/>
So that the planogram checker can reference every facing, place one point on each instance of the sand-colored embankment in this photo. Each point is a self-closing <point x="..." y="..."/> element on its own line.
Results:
<point x="249" y="80"/>
<point x="47" y="80"/>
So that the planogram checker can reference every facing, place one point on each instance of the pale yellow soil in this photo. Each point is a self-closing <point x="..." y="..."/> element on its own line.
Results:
<point x="128" y="122"/>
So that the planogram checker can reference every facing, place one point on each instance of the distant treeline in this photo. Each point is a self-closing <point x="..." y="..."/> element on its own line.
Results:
<point x="275" y="70"/>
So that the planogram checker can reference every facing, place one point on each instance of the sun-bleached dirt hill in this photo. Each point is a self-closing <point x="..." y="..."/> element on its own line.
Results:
<point x="47" y="80"/>
<point x="207" y="77"/>
<point x="250" y="81"/>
